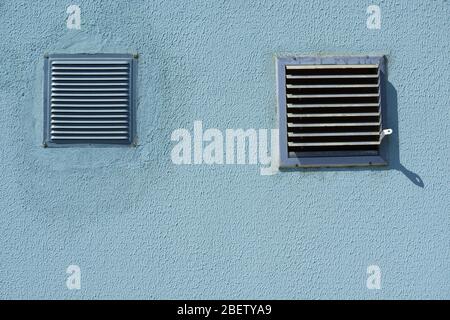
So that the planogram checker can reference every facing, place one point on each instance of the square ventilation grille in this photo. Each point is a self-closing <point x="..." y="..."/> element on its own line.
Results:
<point x="331" y="111"/>
<point x="89" y="99"/>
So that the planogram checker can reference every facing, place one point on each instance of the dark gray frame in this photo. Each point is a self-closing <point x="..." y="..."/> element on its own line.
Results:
<point x="327" y="161"/>
<point x="131" y="58"/>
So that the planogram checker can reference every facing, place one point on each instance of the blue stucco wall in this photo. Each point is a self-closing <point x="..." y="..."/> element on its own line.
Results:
<point x="141" y="227"/>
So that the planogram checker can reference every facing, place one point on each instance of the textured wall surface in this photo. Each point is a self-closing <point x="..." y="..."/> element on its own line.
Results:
<point x="141" y="227"/>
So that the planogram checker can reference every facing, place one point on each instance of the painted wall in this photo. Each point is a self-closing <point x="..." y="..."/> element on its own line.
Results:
<point x="141" y="227"/>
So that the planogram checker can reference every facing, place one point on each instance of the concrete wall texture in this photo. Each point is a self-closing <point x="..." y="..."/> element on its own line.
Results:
<point x="140" y="226"/>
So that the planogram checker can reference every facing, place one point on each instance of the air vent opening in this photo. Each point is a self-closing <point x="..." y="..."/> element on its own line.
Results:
<point x="89" y="99"/>
<point x="331" y="113"/>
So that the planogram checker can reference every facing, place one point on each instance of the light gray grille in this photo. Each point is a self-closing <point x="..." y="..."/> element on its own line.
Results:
<point x="89" y="100"/>
<point x="333" y="109"/>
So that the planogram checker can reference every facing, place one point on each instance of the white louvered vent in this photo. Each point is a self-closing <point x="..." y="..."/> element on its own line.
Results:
<point x="89" y="99"/>
<point x="332" y="110"/>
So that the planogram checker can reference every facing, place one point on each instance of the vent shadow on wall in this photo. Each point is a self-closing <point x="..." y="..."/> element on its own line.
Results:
<point x="331" y="111"/>
<point x="89" y="99"/>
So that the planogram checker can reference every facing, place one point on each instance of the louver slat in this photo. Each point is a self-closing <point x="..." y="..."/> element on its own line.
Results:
<point x="364" y="76"/>
<point x="89" y="101"/>
<point x="88" y="84"/>
<point x="74" y="62"/>
<point x="333" y="109"/>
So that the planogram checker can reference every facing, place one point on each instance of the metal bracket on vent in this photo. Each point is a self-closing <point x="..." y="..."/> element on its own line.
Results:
<point x="385" y="132"/>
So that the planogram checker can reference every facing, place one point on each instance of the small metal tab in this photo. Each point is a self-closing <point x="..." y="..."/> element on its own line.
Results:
<point x="385" y="132"/>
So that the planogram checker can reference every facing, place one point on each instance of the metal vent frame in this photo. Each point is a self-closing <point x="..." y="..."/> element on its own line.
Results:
<point x="328" y="160"/>
<point x="130" y="59"/>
